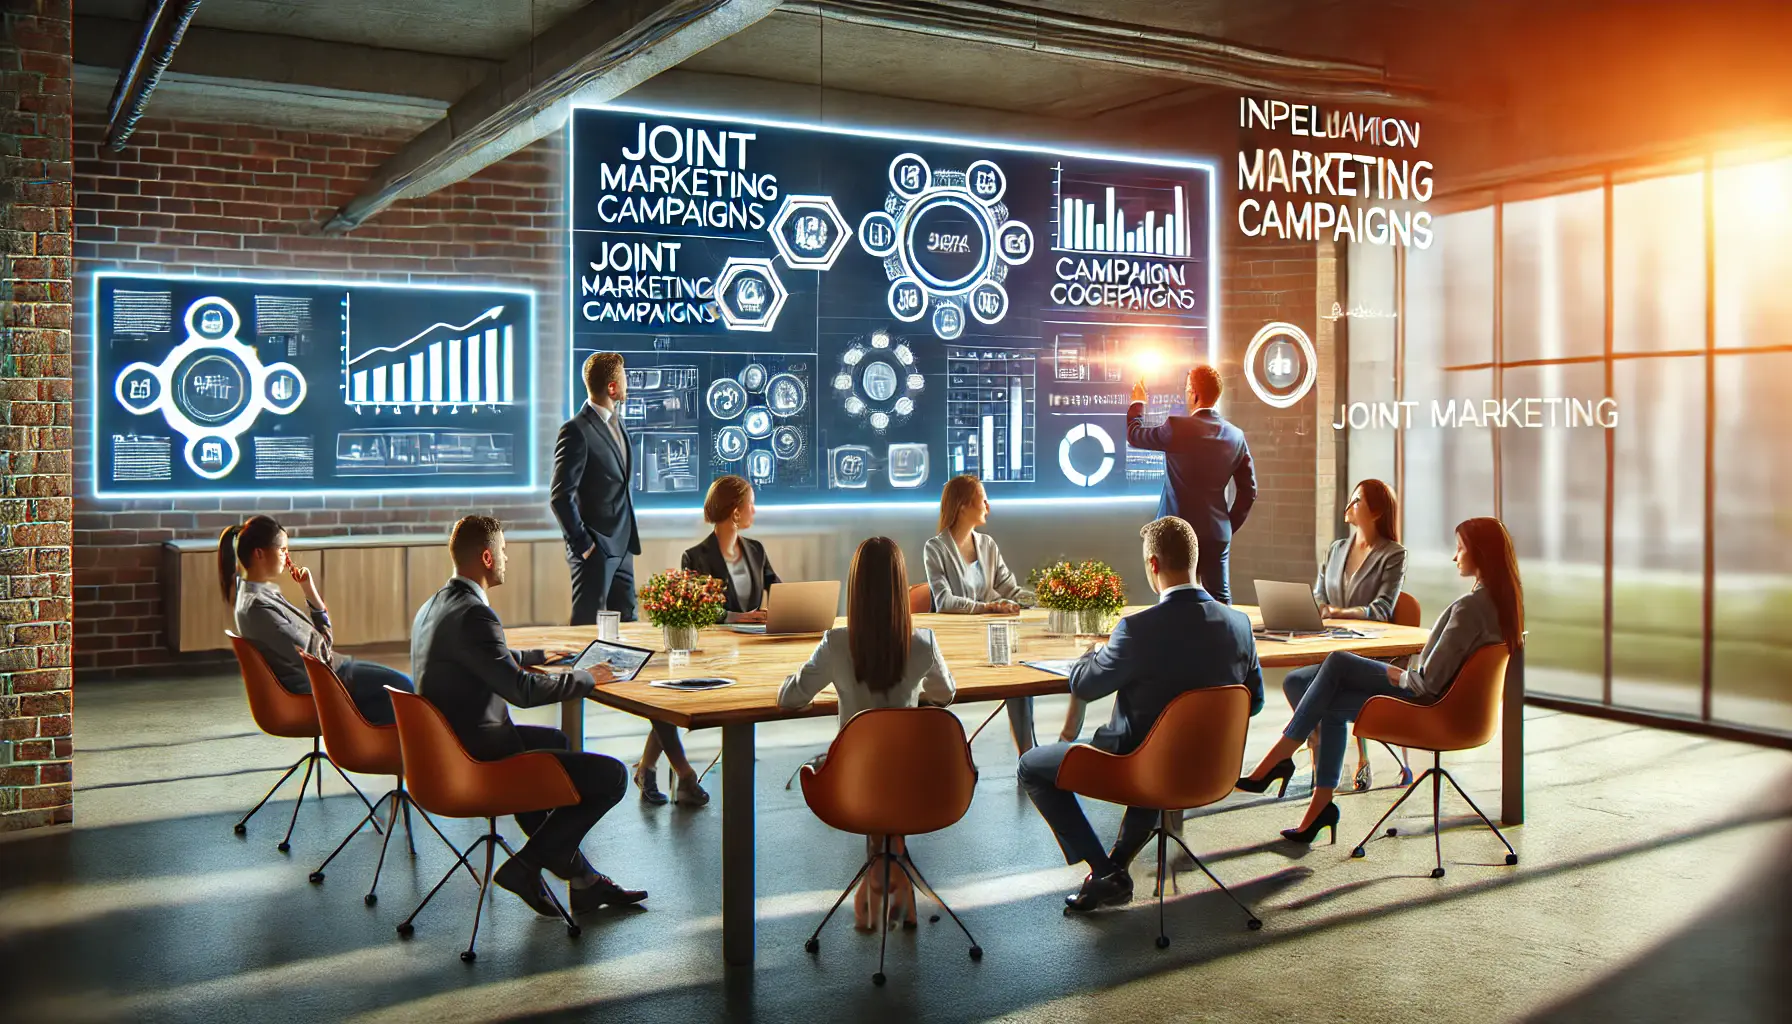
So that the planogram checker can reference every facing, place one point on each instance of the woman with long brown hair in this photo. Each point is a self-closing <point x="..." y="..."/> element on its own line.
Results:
<point x="252" y="557"/>
<point x="1491" y="613"/>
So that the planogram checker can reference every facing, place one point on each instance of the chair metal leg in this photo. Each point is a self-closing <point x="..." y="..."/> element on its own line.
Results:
<point x="242" y="825"/>
<point x="1437" y="832"/>
<point x="1511" y="854"/>
<point x="286" y="843"/>
<point x="1252" y="920"/>
<point x="399" y="796"/>
<point x="431" y="822"/>
<point x="883" y="918"/>
<point x="1163" y="937"/>
<point x="814" y="942"/>
<point x="485" y="885"/>
<point x="318" y="875"/>
<point x="1000" y="706"/>
<point x="410" y="840"/>
<point x="718" y="760"/>
<point x="572" y="927"/>
<point x="908" y="866"/>
<point x="346" y="781"/>
<point x="1416" y="783"/>
<point x="406" y="927"/>
<point x="320" y="775"/>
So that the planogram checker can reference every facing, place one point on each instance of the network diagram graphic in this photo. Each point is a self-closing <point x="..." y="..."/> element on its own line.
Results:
<point x="211" y="388"/>
<point x="947" y="241"/>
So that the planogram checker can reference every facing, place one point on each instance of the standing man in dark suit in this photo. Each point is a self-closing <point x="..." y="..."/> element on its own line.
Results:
<point x="1202" y="453"/>
<point x="591" y="498"/>
<point x="1187" y="641"/>
<point x="463" y="666"/>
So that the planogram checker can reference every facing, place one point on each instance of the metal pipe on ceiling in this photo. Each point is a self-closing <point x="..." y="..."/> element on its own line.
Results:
<point x="168" y="22"/>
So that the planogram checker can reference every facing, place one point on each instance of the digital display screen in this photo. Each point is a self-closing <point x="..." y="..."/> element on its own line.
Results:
<point x="268" y="387"/>
<point x="844" y="316"/>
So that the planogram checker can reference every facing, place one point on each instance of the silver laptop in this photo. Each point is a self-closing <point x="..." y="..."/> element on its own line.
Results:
<point x="1288" y="607"/>
<point x="798" y="608"/>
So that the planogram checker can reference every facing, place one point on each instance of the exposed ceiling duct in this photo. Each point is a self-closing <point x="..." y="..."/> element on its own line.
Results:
<point x="163" y="27"/>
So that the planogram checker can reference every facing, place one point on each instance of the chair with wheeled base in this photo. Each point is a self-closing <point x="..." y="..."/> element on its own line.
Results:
<point x="893" y="772"/>
<point x="357" y="745"/>
<point x="279" y="712"/>
<point x="1189" y="759"/>
<point x="1466" y="717"/>
<point x="446" y="780"/>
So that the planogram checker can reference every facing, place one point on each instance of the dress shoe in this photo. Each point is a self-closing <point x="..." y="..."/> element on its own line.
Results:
<point x="518" y="877"/>
<point x="647" y="781"/>
<point x="689" y="792"/>
<point x="1281" y="771"/>
<point x="1113" y="889"/>
<point x="1327" y="818"/>
<point x="604" y="893"/>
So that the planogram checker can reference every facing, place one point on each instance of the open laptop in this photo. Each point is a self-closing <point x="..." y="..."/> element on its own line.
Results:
<point x="1288" y="608"/>
<point x="797" y="608"/>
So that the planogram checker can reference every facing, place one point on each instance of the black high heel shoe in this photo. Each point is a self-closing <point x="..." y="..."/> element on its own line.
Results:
<point x="1328" y="818"/>
<point x="1283" y="770"/>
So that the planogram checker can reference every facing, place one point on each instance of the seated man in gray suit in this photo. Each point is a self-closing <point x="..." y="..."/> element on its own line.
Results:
<point x="463" y="666"/>
<point x="1187" y="641"/>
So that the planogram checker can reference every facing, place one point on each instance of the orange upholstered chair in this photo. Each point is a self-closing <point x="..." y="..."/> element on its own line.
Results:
<point x="893" y="772"/>
<point x="920" y="599"/>
<point x="280" y="713"/>
<point x="447" y="780"/>
<point x="1466" y="717"/>
<point x="357" y="745"/>
<point x="1182" y="764"/>
<point x="1406" y="613"/>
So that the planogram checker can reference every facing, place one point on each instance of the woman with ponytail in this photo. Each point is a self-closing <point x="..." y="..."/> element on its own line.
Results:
<point x="251" y="559"/>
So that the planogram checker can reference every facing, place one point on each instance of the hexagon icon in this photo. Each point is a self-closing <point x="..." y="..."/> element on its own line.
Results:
<point x="749" y="294"/>
<point x="809" y="232"/>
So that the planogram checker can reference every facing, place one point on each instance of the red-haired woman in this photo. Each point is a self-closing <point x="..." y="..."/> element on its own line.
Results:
<point x="1491" y="613"/>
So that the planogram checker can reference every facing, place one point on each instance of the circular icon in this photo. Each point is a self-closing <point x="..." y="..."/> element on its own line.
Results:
<point x="138" y="388"/>
<point x="760" y="467"/>
<point x="989" y="302"/>
<point x="879" y="381"/>
<point x="212" y="455"/>
<point x="1068" y="464"/>
<point x="986" y="181"/>
<point x="212" y="319"/>
<point x="948" y="321"/>
<point x="757" y="422"/>
<point x="211" y="387"/>
<point x="285" y="388"/>
<point x="1280" y="364"/>
<point x="877" y="233"/>
<point x="1014" y="242"/>
<point x="751" y="295"/>
<point x="787" y="442"/>
<point x="908" y="302"/>
<point x="753" y="377"/>
<point x="726" y="398"/>
<point x="731" y="443"/>
<point x="785" y="394"/>
<point x="909" y="175"/>
<point x="946" y="240"/>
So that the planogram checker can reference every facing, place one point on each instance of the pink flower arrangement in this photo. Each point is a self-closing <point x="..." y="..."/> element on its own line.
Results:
<point x="679" y="597"/>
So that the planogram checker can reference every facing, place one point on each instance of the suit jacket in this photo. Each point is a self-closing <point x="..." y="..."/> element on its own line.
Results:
<point x="1375" y="586"/>
<point x="279" y="630"/>
<point x="589" y="491"/>
<point x="462" y="665"/>
<point x="707" y="558"/>
<point x="1202" y="453"/>
<point x="945" y="575"/>
<point x="1187" y="641"/>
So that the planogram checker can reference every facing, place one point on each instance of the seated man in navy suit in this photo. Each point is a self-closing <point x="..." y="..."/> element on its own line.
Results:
<point x="1187" y="641"/>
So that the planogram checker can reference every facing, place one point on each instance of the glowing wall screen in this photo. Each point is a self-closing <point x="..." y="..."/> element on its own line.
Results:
<point x="844" y="316"/>
<point x="245" y="387"/>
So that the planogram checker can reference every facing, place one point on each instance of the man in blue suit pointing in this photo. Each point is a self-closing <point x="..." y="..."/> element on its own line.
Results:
<point x="1202" y="454"/>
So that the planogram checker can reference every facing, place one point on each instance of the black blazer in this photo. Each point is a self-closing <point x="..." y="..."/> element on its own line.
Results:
<point x="1202" y="453"/>
<point x="1188" y="642"/>
<point x="707" y="558"/>
<point x="589" y="491"/>
<point x="462" y="666"/>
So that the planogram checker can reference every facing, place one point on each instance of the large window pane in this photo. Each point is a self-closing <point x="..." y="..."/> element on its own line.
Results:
<point x="1371" y="291"/>
<point x="1752" y="648"/>
<point x="1553" y="289"/>
<point x="1658" y="265"/>
<point x="1753" y="205"/>
<point x="1658" y="534"/>
<point x="1552" y="482"/>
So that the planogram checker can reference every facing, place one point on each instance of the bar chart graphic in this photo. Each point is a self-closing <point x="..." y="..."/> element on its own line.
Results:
<point x="1138" y="218"/>
<point x="990" y="405"/>
<point x="444" y="364"/>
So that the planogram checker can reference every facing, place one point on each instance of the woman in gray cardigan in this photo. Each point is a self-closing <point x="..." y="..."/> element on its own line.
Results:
<point x="967" y="576"/>
<point x="1361" y="579"/>
<point x="1491" y="613"/>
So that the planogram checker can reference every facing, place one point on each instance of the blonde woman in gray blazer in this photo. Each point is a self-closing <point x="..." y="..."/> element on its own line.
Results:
<point x="967" y="576"/>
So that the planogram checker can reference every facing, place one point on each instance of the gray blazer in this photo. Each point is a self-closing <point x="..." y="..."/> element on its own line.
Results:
<point x="945" y="575"/>
<point x="924" y="675"/>
<point x="463" y="666"/>
<point x="1470" y="623"/>
<point x="1374" y="587"/>
<point x="279" y="630"/>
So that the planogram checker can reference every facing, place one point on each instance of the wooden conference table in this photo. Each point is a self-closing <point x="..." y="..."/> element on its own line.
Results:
<point x="760" y="664"/>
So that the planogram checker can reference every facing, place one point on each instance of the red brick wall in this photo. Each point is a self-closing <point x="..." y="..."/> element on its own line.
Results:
<point x="35" y="412"/>
<point x="239" y="200"/>
<point x="1261" y="282"/>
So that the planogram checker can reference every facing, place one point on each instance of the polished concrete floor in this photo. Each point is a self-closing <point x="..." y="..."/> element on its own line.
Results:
<point x="1655" y="885"/>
